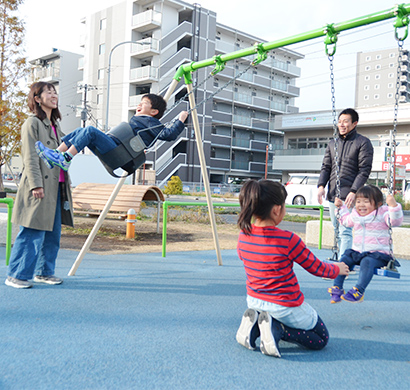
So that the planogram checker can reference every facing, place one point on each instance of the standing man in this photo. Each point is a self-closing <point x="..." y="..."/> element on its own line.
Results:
<point x="355" y="158"/>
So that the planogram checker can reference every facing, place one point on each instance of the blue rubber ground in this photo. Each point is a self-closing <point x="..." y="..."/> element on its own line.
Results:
<point x="141" y="321"/>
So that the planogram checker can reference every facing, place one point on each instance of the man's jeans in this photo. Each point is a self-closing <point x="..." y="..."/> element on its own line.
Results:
<point x="345" y="238"/>
<point x="91" y="137"/>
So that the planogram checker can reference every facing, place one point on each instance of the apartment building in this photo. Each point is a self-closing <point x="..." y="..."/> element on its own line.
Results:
<point x="376" y="78"/>
<point x="145" y="42"/>
<point x="61" y="68"/>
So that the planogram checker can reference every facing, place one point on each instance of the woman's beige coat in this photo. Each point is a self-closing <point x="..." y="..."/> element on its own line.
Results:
<point x="28" y="211"/>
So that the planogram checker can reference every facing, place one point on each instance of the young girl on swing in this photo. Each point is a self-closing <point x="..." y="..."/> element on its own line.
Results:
<point x="276" y="308"/>
<point x="370" y="221"/>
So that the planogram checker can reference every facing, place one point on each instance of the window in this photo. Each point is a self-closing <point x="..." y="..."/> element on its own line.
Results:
<point x="101" y="49"/>
<point x="391" y="65"/>
<point x="390" y="85"/>
<point x="101" y="74"/>
<point x="377" y="77"/>
<point x="366" y="97"/>
<point x="99" y="98"/>
<point x="103" y="24"/>
<point x="378" y="67"/>
<point x="376" y="96"/>
<point x="391" y="75"/>
<point x="378" y="56"/>
<point x="368" y="58"/>
<point x="376" y="86"/>
<point x="389" y="95"/>
<point x="366" y="78"/>
<point x="367" y="68"/>
<point x="366" y="87"/>
<point x="392" y="55"/>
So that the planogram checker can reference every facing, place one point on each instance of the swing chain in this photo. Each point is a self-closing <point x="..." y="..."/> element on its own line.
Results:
<point x="393" y="147"/>
<point x="336" y="161"/>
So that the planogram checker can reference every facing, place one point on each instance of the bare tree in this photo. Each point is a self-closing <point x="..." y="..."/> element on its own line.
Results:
<point x="13" y="73"/>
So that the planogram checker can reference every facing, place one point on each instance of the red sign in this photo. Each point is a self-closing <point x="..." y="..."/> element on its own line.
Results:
<point x="401" y="159"/>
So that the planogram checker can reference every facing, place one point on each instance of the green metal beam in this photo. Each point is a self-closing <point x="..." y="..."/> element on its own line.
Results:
<point x="400" y="12"/>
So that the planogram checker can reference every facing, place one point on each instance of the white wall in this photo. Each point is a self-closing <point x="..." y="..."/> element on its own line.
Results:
<point x="87" y="168"/>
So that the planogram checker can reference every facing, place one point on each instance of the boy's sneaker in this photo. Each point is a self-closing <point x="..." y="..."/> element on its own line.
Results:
<point x="271" y="333"/>
<point x="52" y="157"/>
<point x="51" y="279"/>
<point x="353" y="295"/>
<point x="335" y="294"/>
<point x="248" y="331"/>
<point x="17" y="283"/>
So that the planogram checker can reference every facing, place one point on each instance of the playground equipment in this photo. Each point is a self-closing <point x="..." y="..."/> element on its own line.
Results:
<point x="259" y="50"/>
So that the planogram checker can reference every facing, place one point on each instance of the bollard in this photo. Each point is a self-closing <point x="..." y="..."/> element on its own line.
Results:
<point x="130" y="223"/>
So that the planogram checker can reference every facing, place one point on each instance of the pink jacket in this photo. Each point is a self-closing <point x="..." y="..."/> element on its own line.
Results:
<point x="371" y="232"/>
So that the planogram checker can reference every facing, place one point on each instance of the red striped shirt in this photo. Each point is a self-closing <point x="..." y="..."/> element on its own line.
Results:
<point x="268" y="254"/>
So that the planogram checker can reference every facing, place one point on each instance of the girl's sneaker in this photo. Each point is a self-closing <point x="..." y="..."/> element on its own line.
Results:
<point x="335" y="294"/>
<point x="353" y="295"/>
<point x="52" y="157"/>
<point x="248" y="331"/>
<point x="271" y="333"/>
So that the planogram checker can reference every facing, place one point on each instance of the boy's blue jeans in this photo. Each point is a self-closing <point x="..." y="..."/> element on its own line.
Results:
<point x="91" y="137"/>
<point x="35" y="251"/>
<point x="368" y="261"/>
<point x="345" y="238"/>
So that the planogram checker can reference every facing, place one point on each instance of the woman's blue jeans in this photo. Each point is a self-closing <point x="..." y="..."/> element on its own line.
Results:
<point x="35" y="251"/>
<point x="91" y="137"/>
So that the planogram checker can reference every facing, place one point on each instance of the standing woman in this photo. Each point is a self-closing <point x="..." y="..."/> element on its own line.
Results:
<point x="43" y="200"/>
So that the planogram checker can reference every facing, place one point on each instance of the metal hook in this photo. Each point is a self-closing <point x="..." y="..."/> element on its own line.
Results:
<point x="330" y="39"/>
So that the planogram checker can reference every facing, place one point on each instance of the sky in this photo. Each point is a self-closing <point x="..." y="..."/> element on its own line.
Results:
<point x="56" y="24"/>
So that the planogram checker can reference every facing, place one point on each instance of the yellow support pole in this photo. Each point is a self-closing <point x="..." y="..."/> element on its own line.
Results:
<point x="204" y="171"/>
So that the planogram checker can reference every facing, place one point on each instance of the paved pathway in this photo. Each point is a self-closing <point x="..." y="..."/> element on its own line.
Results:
<point x="140" y="321"/>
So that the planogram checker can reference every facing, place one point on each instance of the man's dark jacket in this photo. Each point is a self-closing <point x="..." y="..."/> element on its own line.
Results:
<point x="355" y="164"/>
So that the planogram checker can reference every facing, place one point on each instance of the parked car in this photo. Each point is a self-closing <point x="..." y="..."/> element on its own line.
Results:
<point x="302" y="189"/>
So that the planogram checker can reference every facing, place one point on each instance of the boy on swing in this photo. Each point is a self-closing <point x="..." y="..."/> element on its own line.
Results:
<point x="145" y="122"/>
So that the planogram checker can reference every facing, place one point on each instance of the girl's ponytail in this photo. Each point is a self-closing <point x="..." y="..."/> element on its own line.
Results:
<point x="248" y="199"/>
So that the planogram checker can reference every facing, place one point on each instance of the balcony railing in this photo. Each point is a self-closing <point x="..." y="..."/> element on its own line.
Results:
<point x="300" y="152"/>
<point x="144" y="73"/>
<point x="242" y="120"/>
<point x="242" y="165"/>
<point x="243" y="97"/>
<point x="144" y="46"/>
<point x="246" y="76"/>
<point x="147" y="20"/>
<point x="241" y="142"/>
<point x="279" y="85"/>
<point x="278" y="106"/>
<point x="135" y="100"/>
<point x="46" y="73"/>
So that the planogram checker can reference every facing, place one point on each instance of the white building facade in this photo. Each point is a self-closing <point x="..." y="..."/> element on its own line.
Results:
<point x="376" y="78"/>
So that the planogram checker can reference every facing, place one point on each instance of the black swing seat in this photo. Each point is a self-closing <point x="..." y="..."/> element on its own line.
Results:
<point x="129" y="155"/>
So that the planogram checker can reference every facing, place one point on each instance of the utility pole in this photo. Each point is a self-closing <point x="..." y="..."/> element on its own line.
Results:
<point x="85" y="109"/>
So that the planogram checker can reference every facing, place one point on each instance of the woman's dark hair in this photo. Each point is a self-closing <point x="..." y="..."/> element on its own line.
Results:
<point x="372" y="193"/>
<point x="257" y="199"/>
<point x="157" y="103"/>
<point x="37" y="89"/>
